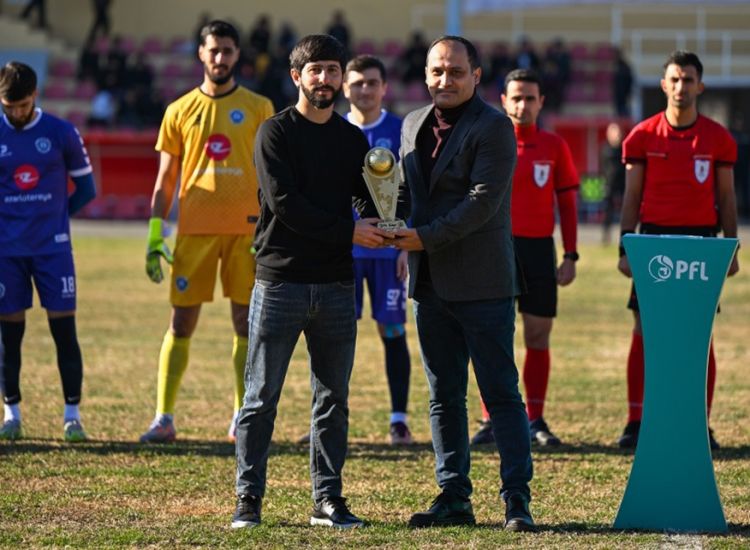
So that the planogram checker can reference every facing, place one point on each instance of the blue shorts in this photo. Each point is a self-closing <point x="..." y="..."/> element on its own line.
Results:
<point x="54" y="277"/>
<point x="387" y="293"/>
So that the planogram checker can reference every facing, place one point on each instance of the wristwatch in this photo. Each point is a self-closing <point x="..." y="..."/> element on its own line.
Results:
<point x="571" y="256"/>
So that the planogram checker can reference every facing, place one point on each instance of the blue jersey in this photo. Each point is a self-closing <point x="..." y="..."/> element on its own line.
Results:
<point x="384" y="132"/>
<point x="35" y="163"/>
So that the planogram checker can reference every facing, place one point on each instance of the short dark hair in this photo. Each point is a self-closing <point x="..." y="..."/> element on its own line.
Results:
<point x="363" y="62"/>
<point x="317" y="47"/>
<point x="522" y="75"/>
<point x="684" y="58"/>
<point x="471" y="50"/>
<point x="220" y="29"/>
<point x="17" y="81"/>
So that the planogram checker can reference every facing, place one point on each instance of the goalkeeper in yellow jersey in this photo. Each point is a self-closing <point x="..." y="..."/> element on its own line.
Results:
<point x="207" y="139"/>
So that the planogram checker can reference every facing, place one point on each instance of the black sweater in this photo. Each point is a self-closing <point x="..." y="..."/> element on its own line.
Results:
<point x="309" y="176"/>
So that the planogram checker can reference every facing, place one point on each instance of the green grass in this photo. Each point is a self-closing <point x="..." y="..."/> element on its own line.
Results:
<point x="114" y="492"/>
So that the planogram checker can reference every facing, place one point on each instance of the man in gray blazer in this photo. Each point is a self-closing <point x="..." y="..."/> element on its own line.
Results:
<point x="457" y="159"/>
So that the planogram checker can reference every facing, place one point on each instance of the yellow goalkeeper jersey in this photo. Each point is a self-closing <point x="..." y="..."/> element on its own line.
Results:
<point x="214" y="137"/>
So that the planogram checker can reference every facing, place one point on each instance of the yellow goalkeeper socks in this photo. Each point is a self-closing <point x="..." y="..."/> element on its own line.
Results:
<point x="239" y="356"/>
<point x="173" y="360"/>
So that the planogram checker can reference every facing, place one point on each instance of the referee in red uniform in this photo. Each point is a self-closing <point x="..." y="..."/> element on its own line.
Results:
<point x="545" y="176"/>
<point x="679" y="181"/>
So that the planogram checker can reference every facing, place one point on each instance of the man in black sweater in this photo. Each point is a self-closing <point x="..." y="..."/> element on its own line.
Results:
<point x="309" y="163"/>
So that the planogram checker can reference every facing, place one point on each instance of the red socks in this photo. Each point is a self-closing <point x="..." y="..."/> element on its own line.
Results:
<point x="535" y="379"/>
<point x="635" y="378"/>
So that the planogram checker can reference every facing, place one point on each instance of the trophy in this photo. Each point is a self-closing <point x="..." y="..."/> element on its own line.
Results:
<point x="383" y="182"/>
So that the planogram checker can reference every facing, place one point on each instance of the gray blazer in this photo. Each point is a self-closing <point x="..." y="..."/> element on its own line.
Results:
<point x="464" y="217"/>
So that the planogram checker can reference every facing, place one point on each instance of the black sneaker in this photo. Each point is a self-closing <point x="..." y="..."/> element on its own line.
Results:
<point x="540" y="433"/>
<point x="333" y="512"/>
<point x="629" y="437"/>
<point x="712" y="441"/>
<point x="484" y="435"/>
<point x="446" y="509"/>
<point x="247" y="513"/>
<point x="517" y="515"/>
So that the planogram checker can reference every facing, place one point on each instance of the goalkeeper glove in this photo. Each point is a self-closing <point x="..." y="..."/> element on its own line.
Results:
<point x="155" y="250"/>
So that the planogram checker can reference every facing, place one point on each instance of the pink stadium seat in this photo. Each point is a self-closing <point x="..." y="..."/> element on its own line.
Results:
<point x="365" y="47"/>
<point x="128" y="44"/>
<point x="604" y="52"/>
<point x="77" y="118"/>
<point x="85" y="90"/>
<point x="393" y="48"/>
<point x="152" y="45"/>
<point x="102" y="44"/>
<point x="172" y="70"/>
<point x="415" y="91"/>
<point x="579" y="52"/>
<point x="576" y="94"/>
<point x="56" y="90"/>
<point x="62" y="68"/>
<point x="602" y="94"/>
<point x="196" y="71"/>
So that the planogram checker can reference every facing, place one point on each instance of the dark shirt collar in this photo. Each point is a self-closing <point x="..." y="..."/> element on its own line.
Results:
<point x="448" y="117"/>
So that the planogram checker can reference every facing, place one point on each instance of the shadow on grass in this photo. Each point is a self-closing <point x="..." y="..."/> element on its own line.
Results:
<point x="357" y="450"/>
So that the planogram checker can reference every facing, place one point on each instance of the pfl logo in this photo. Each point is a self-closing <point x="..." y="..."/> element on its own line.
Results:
<point x="218" y="147"/>
<point x="662" y="268"/>
<point x="26" y="177"/>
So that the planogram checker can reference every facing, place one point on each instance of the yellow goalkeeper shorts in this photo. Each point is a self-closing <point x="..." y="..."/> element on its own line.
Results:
<point x="194" y="269"/>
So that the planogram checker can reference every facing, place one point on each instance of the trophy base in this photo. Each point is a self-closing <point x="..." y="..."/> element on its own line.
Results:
<point x="392" y="225"/>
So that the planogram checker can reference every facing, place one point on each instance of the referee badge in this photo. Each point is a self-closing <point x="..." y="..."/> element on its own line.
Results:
<point x="541" y="174"/>
<point x="702" y="167"/>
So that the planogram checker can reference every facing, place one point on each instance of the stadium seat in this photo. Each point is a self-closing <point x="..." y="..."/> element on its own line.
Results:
<point x="393" y="48"/>
<point x="365" y="47"/>
<point x="85" y="90"/>
<point x="579" y="52"/>
<point x="604" y="52"/>
<point x="127" y="44"/>
<point x="152" y="45"/>
<point x="101" y="45"/>
<point x="415" y="92"/>
<point x="56" y="90"/>
<point x="63" y="68"/>
<point x="172" y="70"/>
<point x="77" y="118"/>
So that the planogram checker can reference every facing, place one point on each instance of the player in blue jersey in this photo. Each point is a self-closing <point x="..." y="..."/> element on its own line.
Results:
<point x="384" y="269"/>
<point x="38" y="154"/>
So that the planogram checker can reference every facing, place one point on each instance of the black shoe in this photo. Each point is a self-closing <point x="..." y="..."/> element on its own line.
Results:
<point x="247" y="513"/>
<point x="712" y="441"/>
<point x="540" y="433"/>
<point x="484" y="435"/>
<point x="446" y="509"/>
<point x="517" y="515"/>
<point x="333" y="512"/>
<point x="629" y="437"/>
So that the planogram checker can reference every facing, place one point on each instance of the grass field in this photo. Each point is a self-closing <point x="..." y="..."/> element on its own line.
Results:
<point x="113" y="491"/>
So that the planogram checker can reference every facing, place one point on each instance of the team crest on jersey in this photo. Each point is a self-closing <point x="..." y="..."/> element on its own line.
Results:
<point x="26" y="177"/>
<point x="218" y="147"/>
<point x="43" y="145"/>
<point x="237" y="116"/>
<point x="181" y="283"/>
<point x="702" y="168"/>
<point x="541" y="174"/>
<point x="384" y="142"/>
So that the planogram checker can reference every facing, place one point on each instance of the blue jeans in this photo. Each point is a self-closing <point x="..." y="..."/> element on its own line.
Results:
<point x="451" y="333"/>
<point x="279" y="313"/>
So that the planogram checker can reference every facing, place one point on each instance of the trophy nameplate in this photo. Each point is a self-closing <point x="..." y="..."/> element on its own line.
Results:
<point x="382" y="179"/>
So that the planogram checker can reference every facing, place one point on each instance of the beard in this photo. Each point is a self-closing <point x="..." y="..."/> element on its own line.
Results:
<point x="319" y="102"/>
<point x="20" y="123"/>
<point x="216" y="79"/>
